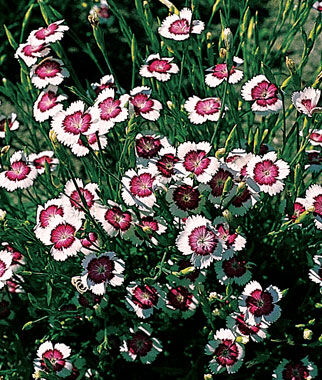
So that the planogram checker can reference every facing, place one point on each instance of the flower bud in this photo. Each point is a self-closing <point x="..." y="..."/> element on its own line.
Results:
<point x="220" y="153"/>
<point x="227" y="37"/>
<point x="53" y="136"/>
<point x="207" y="376"/>
<point x="290" y="64"/>
<point x="307" y="334"/>
<point x="3" y="214"/>
<point x="222" y="53"/>
<point x="93" y="19"/>
<point x="208" y="36"/>
<point x="242" y="339"/>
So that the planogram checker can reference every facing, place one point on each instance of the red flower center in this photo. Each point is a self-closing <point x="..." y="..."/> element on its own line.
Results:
<point x="118" y="219"/>
<point x="147" y="146"/>
<point x="186" y="197"/>
<point x="218" y="181"/>
<point x="101" y="269"/>
<point x="220" y="71"/>
<point x="180" y="298"/>
<point x="141" y="185"/>
<point x="110" y="108"/>
<point x="47" y="101"/>
<point x="203" y="241"/>
<point x="145" y="297"/>
<point x="207" y="107"/>
<point x="47" y="214"/>
<point x="75" y="199"/>
<point x="45" y="32"/>
<point x="226" y="353"/>
<point x="63" y="236"/>
<point x="19" y="171"/>
<point x="181" y="26"/>
<point x="77" y="123"/>
<point x="48" y="69"/>
<point x="166" y="164"/>
<point x="265" y="172"/>
<point x="159" y="65"/>
<point x="140" y="344"/>
<point x="265" y="93"/>
<point x="196" y="162"/>
<point x="55" y="359"/>
<point x="260" y="303"/>
<point x="142" y="103"/>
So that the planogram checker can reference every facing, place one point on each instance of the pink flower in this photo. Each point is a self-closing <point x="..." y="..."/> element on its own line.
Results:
<point x="72" y="201"/>
<point x="158" y="68"/>
<point x="114" y="220"/>
<point x="107" y="81"/>
<point x="184" y="198"/>
<point x="306" y="101"/>
<point x="61" y="236"/>
<point x="295" y="370"/>
<point x="263" y="94"/>
<point x="140" y="345"/>
<point x="202" y="110"/>
<point x="5" y="267"/>
<point x="30" y="53"/>
<point x="143" y="299"/>
<point x="260" y="305"/>
<point x="166" y="165"/>
<point x="70" y="124"/>
<point x="48" y="104"/>
<point x="313" y="198"/>
<point x="139" y="186"/>
<point x="8" y="123"/>
<point x="267" y="173"/>
<point x="53" y="358"/>
<point x="39" y="160"/>
<point x="226" y="352"/>
<point x="178" y="27"/>
<point x="236" y="322"/>
<point x="194" y="160"/>
<point x="181" y="300"/>
<point x="110" y="110"/>
<point x="219" y="73"/>
<point x="48" y="71"/>
<point x="200" y="241"/>
<point x="106" y="269"/>
<point x="316" y="137"/>
<point x="318" y="6"/>
<point x="52" y="33"/>
<point x="141" y="104"/>
<point x="20" y="175"/>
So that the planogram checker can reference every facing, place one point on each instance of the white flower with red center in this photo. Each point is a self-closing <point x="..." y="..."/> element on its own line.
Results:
<point x="48" y="71"/>
<point x="232" y="240"/>
<point x="80" y="150"/>
<point x="184" y="198"/>
<point x="237" y="160"/>
<point x="306" y="101"/>
<point x="47" y="213"/>
<point x="267" y="173"/>
<point x="314" y="198"/>
<point x="39" y="160"/>
<point x="194" y="160"/>
<point x="233" y="270"/>
<point x="53" y="358"/>
<point x="148" y="146"/>
<point x="314" y="161"/>
<point x="15" y="287"/>
<point x="17" y="257"/>
<point x="114" y="220"/>
<point x="318" y="6"/>
<point x="101" y="271"/>
<point x="141" y="104"/>
<point x="69" y="125"/>
<point x="315" y="274"/>
<point x="110" y="109"/>
<point x="199" y="240"/>
<point x="241" y="199"/>
<point x="295" y="369"/>
<point x="263" y="94"/>
<point x="180" y="299"/>
<point x="201" y="110"/>
<point x="20" y="175"/>
<point x="236" y="322"/>
<point x="300" y="205"/>
<point x="72" y="199"/>
<point x="5" y="267"/>
<point x="259" y="305"/>
<point x="158" y="68"/>
<point x="52" y="33"/>
<point x="107" y="81"/>
<point x="90" y="243"/>
<point x="227" y="353"/>
<point x="139" y="186"/>
<point x="219" y="73"/>
<point x="48" y="104"/>
<point x="179" y="27"/>
<point x="151" y="225"/>
<point x="315" y="137"/>
<point x="143" y="299"/>
<point x="166" y="165"/>
<point x="30" y="53"/>
<point x="140" y="345"/>
<point x="216" y="184"/>
<point x="61" y="236"/>
<point x="8" y="122"/>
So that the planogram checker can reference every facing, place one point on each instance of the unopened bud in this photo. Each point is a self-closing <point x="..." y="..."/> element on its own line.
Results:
<point x="307" y="334"/>
<point x="227" y="37"/>
<point x="208" y="36"/>
<point x="5" y="149"/>
<point x="53" y="136"/>
<point x="93" y="19"/>
<point x="3" y="214"/>
<point x="220" y="153"/>
<point x="207" y="376"/>
<point x="212" y="296"/>
<point x="145" y="3"/>
<point x="84" y="5"/>
<point x="222" y="53"/>
<point x="290" y="64"/>
<point x="242" y="339"/>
